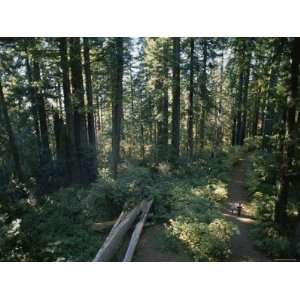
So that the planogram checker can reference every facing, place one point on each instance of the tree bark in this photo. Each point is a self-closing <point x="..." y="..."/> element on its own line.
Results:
<point x="165" y="108"/>
<point x="117" y="98"/>
<point x="80" y="129"/>
<point x="33" y="100"/>
<point x="288" y="161"/>
<point x="89" y="92"/>
<point x="245" y="99"/>
<point x="137" y="232"/>
<point x="270" y="101"/>
<point x="72" y="163"/>
<point x="176" y="98"/>
<point x="90" y="114"/>
<point x="191" y="102"/>
<point x="45" y="148"/>
<point x="116" y="235"/>
<point x="11" y="137"/>
<point x="204" y="95"/>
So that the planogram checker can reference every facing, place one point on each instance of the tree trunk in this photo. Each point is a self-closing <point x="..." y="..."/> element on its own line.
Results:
<point x="255" y="114"/>
<point x="176" y="99"/>
<point x="160" y="151"/>
<point x="245" y="100"/>
<point x="116" y="235"/>
<point x="80" y="129"/>
<point x="137" y="232"/>
<point x="288" y="161"/>
<point x="60" y="139"/>
<point x="191" y="101"/>
<point x="11" y="137"/>
<point x="90" y="114"/>
<point x="238" y="136"/>
<point x="204" y="95"/>
<point x="165" y="106"/>
<point x="33" y="100"/>
<point x="117" y="98"/>
<point x="72" y="163"/>
<point x="45" y="148"/>
<point x="89" y="92"/>
<point x="271" y="94"/>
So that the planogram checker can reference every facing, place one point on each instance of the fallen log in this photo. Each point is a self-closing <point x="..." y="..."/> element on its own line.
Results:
<point x="116" y="235"/>
<point x="103" y="225"/>
<point x="137" y="232"/>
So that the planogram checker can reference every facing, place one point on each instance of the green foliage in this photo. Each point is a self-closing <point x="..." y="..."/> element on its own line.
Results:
<point x="252" y="143"/>
<point x="57" y="229"/>
<point x="234" y="154"/>
<point x="196" y="221"/>
<point x="108" y="196"/>
<point x="206" y="242"/>
<point x="260" y="184"/>
<point x="260" y="174"/>
<point x="269" y="240"/>
<point x="264" y="206"/>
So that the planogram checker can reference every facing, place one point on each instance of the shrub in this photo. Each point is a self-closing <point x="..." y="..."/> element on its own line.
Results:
<point x="206" y="242"/>
<point x="269" y="240"/>
<point x="264" y="206"/>
<point x="252" y="143"/>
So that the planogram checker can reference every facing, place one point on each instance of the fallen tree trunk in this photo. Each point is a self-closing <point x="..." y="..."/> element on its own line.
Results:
<point x="102" y="226"/>
<point x="116" y="235"/>
<point x="137" y="232"/>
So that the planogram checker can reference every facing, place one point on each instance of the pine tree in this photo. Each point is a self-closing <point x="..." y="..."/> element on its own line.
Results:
<point x="176" y="98"/>
<point x="117" y="98"/>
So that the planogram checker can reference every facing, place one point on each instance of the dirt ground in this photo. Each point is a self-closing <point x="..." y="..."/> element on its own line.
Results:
<point x="150" y="248"/>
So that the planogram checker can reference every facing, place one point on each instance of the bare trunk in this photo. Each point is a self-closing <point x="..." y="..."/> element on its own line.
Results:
<point x="80" y="129"/>
<point x="117" y="98"/>
<point x="287" y="167"/>
<point x="90" y="114"/>
<point x="176" y="98"/>
<point x="45" y="148"/>
<point x="191" y="102"/>
<point x="11" y="137"/>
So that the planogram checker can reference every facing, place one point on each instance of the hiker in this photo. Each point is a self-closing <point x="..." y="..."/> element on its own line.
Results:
<point x="239" y="209"/>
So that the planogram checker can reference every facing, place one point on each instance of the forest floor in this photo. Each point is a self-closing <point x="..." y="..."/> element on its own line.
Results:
<point x="151" y="246"/>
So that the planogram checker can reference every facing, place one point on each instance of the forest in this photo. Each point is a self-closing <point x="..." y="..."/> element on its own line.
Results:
<point x="206" y="131"/>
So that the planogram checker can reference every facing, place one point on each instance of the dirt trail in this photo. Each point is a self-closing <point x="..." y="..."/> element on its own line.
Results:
<point x="150" y="248"/>
<point x="242" y="245"/>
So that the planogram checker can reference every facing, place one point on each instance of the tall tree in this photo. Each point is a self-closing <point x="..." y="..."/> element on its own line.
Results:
<point x="72" y="164"/>
<point x="165" y="108"/>
<point x="90" y="114"/>
<point x="204" y="92"/>
<point x="117" y="99"/>
<point x="191" y="101"/>
<point x="288" y="162"/>
<point x="89" y="92"/>
<point x="242" y="58"/>
<point x="271" y="94"/>
<point x="176" y="97"/>
<point x="33" y="100"/>
<point x="11" y="137"/>
<point x="45" y="147"/>
<point x="80" y="129"/>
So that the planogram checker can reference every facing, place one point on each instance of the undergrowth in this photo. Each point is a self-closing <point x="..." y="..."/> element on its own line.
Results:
<point x="261" y="184"/>
<point x="57" y="227"/>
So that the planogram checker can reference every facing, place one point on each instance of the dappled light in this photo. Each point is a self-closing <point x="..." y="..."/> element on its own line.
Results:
<point x="135" y="149"/>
